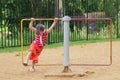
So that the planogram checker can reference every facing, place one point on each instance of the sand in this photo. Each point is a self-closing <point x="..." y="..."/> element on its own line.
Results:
<point x="93" y="53"/>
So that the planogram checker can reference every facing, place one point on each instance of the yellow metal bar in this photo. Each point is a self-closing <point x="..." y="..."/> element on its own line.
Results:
<point x="48" y="65"/>
<point x="21" y="33"/>
<point x="47" y="19"/>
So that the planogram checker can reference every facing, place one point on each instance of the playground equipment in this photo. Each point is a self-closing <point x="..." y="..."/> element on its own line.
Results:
<point x="66" y="21"/>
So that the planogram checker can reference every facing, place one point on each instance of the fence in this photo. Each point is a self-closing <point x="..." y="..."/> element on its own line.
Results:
<point x="12" y="11"/>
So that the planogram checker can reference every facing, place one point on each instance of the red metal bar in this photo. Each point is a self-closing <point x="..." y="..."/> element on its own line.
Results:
<point x="90" y="64"/>
<point x="110" y="41"/>
<point x="90" y="18"/>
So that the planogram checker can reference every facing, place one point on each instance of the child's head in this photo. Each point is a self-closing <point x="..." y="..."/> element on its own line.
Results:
<point x="40" y="28"/>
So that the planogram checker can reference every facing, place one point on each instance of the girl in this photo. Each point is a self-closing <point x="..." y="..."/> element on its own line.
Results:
<point x="37" y="45"/>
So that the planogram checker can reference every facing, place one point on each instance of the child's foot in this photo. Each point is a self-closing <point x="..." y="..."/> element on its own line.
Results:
<point x="25" y="64"/>
<point x="32" y="69"/>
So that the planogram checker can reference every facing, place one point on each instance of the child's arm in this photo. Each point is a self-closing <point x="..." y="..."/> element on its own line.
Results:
<point x="31" y="25"/>
<point x="53" y="25"/>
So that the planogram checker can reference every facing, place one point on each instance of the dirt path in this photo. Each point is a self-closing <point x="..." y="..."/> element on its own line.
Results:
<point x="97" y="53"/>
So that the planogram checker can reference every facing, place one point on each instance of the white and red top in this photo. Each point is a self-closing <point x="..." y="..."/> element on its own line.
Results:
<point x="40" y="40"/>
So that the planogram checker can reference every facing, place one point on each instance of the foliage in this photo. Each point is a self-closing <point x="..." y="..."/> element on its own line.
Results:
<point x="12" y="11"/>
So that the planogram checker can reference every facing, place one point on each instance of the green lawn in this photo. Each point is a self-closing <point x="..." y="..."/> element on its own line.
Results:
<point x="83" y="42"/>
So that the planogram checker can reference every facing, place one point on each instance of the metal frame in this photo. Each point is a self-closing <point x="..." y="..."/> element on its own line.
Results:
<point x="110" y="21"/>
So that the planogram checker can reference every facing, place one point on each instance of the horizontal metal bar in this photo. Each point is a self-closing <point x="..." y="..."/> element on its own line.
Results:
<point x="73" y="65"/>
<point x="90" y="64"/>
<point x="48" y="65"/>
<point x="90" y="18"/>
<point x="27" y="19"/>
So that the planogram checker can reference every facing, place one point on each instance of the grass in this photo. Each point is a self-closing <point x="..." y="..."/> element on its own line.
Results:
<point x="82" y="42"/>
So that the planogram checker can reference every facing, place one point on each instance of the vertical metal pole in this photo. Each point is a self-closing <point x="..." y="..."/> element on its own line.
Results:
<point x="21" y="39"/>
<point x="110" y="41"/>
<point x="66" y="20"/>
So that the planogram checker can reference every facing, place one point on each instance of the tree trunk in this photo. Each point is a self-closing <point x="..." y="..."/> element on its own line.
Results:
<point x="58" y="13"/>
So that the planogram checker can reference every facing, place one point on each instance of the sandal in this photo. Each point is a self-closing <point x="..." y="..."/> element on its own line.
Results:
<point x="25" y="64"/>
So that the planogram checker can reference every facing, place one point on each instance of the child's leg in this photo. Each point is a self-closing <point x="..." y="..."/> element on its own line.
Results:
<point x="33" y="66"/>
<point x="27" y="58"/>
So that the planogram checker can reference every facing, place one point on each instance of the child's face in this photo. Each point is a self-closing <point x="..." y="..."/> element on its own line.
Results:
<point x="41" y="32"/>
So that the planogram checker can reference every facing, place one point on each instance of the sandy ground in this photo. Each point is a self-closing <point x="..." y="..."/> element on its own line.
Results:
<point x="93" y="53"/>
